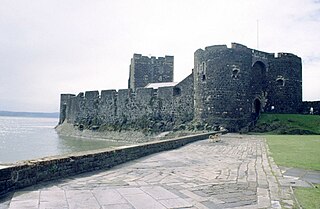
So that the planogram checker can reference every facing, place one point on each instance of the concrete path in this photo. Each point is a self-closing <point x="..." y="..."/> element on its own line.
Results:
<point x="233" y="173"/>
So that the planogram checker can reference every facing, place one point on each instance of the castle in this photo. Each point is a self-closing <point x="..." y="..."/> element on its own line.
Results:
<point x="227" y="87"/>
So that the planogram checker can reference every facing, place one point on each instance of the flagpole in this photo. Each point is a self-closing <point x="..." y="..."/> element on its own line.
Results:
<point x="257" y="34"/>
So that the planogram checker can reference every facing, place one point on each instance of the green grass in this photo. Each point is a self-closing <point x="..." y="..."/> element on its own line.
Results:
<point x="288" y="124"/>
<point x="295" y="150"/>
<point x="308" y="197"/>
<point x="299" y="152"/>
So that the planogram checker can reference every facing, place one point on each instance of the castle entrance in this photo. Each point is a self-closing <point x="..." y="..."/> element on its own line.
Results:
<point x="257" y="107"/>
<point x="258" y="79"/>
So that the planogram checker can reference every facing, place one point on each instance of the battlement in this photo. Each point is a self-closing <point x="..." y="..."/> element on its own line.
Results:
<point x="121" y="94"/>
<point x="238" y="46"/>
<point x="223" y="47"/>
<point x="210" y="50"/>
<point x="216" y="47"/>
<point x="286" y="55"/>
<point x="221" y="50"/>
<point x="261" y="54"/>
<point x="91" y="95"/>
<point x="282" y="54"/>
<point x="166" y="58"/>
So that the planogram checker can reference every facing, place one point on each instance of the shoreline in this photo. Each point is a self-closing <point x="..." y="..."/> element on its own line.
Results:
<point x="129" y="136"/>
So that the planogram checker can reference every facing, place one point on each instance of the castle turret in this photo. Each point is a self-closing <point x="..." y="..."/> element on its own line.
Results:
<point x="285" y="84"/>
<point x="64" y="104"/>
<point x="222" y="86"/>
<point x="234" y="85"/>
<point x="145" y="70"/>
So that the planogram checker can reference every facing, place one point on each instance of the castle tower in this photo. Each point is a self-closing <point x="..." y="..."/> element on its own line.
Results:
<point x="65" y="100"/>
<point x="145" y="70"/>
<point x="285" y="84"/>
<point x="234" y="85"/>
<point x="222" y="86"/>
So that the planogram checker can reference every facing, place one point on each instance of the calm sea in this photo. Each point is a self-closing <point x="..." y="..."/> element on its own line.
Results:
<point x="31" y="138"/>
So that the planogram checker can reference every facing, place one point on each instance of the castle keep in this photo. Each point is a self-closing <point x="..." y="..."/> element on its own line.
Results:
<point x="228" y="87"/>
<point x="145" y="70"/>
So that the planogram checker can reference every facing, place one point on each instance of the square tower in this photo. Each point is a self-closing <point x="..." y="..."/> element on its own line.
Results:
<point x="145" y="70"/>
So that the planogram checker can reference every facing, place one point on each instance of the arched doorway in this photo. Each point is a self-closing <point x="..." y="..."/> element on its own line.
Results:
<point x="257" y="107"/>
<point x="258" y="82"/>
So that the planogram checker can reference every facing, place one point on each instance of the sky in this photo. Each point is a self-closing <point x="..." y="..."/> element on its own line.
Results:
<point x="50" y="47"/>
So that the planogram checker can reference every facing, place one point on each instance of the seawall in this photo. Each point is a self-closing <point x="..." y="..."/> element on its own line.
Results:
<point x="31" y="172"/>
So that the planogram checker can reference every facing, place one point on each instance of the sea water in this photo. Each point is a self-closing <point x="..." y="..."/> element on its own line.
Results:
<point x="30" y="138"/>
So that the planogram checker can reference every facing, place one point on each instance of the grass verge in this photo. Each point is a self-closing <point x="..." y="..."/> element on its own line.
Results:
<point x="295" y="150"/>
<point x="308" y="197"/>
<point x="300" y="152"/>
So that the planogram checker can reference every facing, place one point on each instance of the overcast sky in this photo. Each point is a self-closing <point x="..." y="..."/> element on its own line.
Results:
<point x="48" y="47"/>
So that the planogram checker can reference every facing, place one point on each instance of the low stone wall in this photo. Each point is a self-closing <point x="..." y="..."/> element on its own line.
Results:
<point x="28" y="173"/>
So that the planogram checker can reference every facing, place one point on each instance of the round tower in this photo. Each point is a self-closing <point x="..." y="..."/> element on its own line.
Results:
<point x="285" y="84"/>
<point x="222" y="91"/>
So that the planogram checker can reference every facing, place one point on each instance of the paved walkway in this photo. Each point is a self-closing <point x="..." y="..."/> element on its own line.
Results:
<point x="233" y="173"/>
<point x="312" y="177"/>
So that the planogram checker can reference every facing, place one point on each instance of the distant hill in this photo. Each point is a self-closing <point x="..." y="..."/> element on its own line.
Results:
<point x="30" y="114"/>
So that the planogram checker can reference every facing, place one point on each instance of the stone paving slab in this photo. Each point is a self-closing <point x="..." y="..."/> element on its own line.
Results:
<point x="312" y="177"/>
<point x="82" y="199"/>
<point x="236" y="172"/>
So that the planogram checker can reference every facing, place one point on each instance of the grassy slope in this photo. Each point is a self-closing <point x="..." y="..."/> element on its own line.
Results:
<point x="288" y="124"/>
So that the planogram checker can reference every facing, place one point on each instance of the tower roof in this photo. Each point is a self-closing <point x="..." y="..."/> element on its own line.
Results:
<point x="158" y="85"/>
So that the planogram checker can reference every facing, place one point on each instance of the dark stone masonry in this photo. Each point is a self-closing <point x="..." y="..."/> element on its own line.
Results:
<point x="145" y="70"/>
<point x="228" y="87"/>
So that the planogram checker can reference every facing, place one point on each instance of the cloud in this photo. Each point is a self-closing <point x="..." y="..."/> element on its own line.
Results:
<point x="50" y="47"/>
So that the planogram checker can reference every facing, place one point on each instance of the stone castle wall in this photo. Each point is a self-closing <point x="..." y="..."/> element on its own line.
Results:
<point x="144" y="109"/>
<point x="308" y="105"/>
